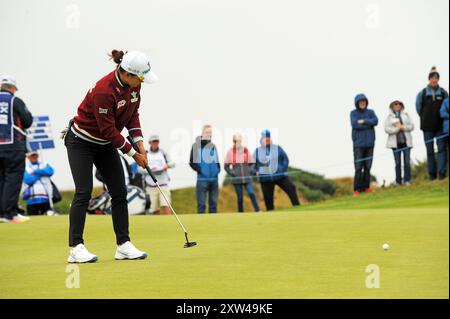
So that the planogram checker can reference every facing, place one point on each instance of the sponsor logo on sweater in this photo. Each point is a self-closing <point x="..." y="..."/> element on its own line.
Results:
<point x="121" y="103"/>
<point x="102" y="111"/>
<point x="134" y="97"/>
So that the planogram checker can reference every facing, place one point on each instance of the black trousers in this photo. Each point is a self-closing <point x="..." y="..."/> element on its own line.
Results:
<point x="12" y="168"/>
<point x="363" y="164"/>
<point x="286" y="185"/>
<point x="82" y="156"/>
<point x="38" y="209"/>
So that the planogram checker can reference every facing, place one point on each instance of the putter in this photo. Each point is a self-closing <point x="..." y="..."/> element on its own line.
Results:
<point x="188" y="243"/>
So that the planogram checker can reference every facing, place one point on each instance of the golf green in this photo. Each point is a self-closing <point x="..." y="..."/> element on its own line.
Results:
<point x="302" y="254"/>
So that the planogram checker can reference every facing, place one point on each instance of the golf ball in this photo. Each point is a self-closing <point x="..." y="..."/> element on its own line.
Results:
<point x="386" y="246"/>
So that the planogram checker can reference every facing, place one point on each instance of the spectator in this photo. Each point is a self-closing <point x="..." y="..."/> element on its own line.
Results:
<point x="399" y="126"/>
<point x="444" y="116"/>
<point x="363" y="123"/>
<point x="39" y="191"/>
<point x="239" y="164"/>
<point x="271" y="165"/>
<point x="428" y="104"/>
<point x="204" y="160"/>
<point x="14" y="119"/>
<point x="159" y="162"/>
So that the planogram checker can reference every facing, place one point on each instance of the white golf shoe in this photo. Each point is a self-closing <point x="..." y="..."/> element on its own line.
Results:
<point x="79" y="254"/>
<point x="128" y="251"/>
<point x="19" y="218"/>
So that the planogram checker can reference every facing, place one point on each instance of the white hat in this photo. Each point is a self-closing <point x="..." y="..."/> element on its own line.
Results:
<point x="137" y="63"/>
<point x="154" y="138"/>
<point x="8" y="79"/>
<point x="32" y="153"/>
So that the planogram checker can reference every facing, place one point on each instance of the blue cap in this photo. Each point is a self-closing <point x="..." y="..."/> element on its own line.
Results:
<point x="265" y="133"/>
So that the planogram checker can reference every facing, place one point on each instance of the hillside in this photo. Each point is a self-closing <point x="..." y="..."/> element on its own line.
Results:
<point x="424" y="195"/>
<point x="316" y="192"/>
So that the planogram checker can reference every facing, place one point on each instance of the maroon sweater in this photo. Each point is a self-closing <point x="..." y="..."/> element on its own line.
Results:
<point x="106" y="110"/>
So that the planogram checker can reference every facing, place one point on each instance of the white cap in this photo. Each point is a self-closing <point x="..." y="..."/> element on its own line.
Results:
<point x="32" y="153"/>
<point x="8" y="79"/>
<point x="153" y="138"/>
<point x="137" y="63"/>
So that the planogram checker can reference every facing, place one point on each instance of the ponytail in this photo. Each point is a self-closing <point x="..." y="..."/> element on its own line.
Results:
<point x="116" y="56"/>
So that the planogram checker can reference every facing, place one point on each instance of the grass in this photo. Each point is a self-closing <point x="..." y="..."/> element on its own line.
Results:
<point x="311" y="253"/>
<point x="184" y="201"/>
<point x="424" y="194"/>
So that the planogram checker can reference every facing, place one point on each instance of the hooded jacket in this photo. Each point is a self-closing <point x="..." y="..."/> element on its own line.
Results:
<point x="363" y="135"/>
<point x="271" y="163"/>
<point x="392" y="131"/>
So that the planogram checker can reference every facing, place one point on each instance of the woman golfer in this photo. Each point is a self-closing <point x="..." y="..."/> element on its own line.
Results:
<point x="93" y="138"/>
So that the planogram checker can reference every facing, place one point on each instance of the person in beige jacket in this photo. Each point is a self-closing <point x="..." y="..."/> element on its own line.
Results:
<point x="399" y="126"/>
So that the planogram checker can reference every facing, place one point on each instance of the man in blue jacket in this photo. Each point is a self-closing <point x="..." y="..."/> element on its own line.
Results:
<point x="428" y="104"/>
<point x="363" y="123"/>
<point x="271" y="165"/>
<point x="204" y="160"/>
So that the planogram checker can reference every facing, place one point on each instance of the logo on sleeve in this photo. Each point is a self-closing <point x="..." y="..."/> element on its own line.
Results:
<point x="121" y="103"/>
<point x="102" y="111"/>
<point x="134" y="97"/>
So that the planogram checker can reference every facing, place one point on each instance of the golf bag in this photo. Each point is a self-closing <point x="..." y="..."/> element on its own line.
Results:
<point x="138" y="202"/>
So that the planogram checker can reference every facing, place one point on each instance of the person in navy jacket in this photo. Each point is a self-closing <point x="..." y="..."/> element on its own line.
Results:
<point x="363" y="121"/>
<point x="15" y="118"/>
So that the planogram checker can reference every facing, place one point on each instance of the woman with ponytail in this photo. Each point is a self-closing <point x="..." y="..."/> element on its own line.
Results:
<point x="94" y="138"/>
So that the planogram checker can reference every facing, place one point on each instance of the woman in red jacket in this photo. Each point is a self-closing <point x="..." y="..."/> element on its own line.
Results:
<point x="239" y="164"/>
<point x="94" y="137"/>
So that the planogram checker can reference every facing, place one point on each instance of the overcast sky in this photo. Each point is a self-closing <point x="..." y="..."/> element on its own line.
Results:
<point x="293" y="66"/>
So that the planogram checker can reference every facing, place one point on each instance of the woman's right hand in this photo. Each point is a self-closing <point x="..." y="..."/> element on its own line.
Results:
<point x="140" y="159"/>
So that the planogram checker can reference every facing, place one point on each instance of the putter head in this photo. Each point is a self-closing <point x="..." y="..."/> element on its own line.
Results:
<point x="190" y="244"/>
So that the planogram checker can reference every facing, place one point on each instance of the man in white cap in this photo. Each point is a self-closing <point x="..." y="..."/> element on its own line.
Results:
<point x="15" y="118"/>
<point x="159" y="162"/>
